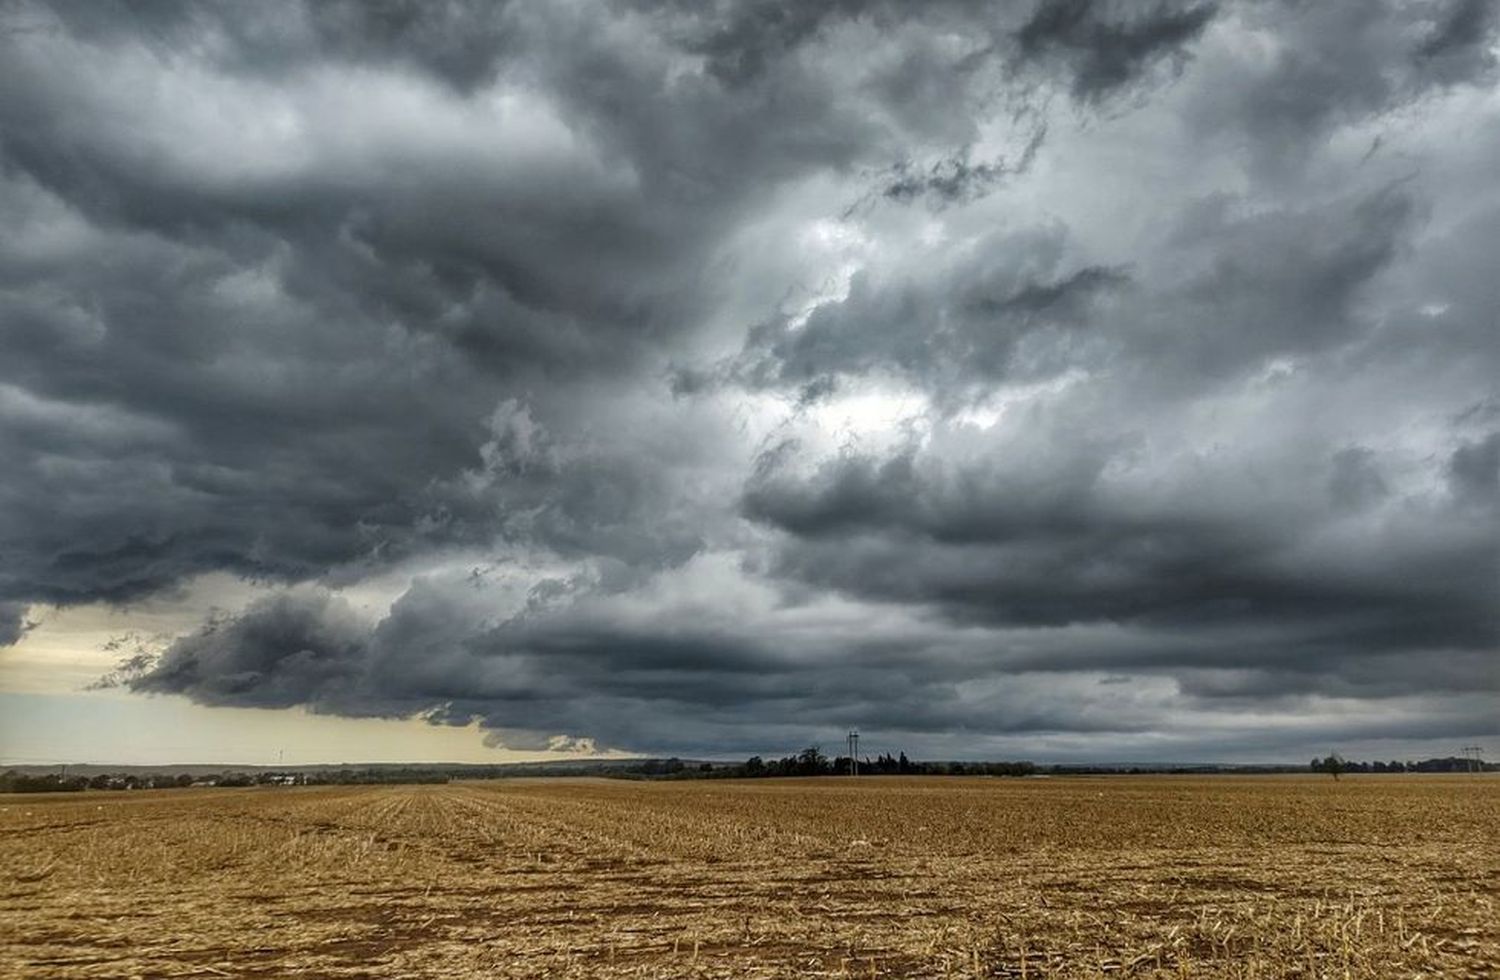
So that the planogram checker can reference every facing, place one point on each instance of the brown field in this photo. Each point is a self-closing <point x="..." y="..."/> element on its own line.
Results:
<point x="1380" y="876"/>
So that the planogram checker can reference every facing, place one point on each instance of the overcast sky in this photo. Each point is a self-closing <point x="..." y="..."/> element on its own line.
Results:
<point x="1073" y="381"/>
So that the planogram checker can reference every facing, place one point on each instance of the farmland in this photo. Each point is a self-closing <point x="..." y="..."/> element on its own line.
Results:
<point x="1294" y="876"/>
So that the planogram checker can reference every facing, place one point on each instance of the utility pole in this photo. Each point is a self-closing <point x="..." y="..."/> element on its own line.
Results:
<point x="853" y="752"/>
<point x="1474" y="754"/>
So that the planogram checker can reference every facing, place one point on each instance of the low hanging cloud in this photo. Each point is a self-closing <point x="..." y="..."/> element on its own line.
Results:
<point x="1093" y="379"/>
<point x="13" y="622"/>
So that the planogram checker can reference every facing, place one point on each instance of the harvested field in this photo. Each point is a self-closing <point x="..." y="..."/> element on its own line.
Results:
<point x="1382" y="876"/>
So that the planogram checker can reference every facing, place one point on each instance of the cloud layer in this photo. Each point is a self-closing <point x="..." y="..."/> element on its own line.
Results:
<point x="1086" y="379"/>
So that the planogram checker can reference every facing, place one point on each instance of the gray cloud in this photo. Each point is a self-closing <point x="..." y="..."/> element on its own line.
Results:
<point x="1146" y="382"/>
<point x="1105" y="46"/>
<point x="13" y="622"/>
<point x="946" y="329"/>
<point x="302" y="330"/>
<point x="955" y="179"/>
<point x="287" y="650"/>
<point x="1457" y="39"/>
<point x="1333" y="64"/>
<point x="1356" y="482"/>
<point x="1069" y="540"/>
<point x="1474" y="470"/>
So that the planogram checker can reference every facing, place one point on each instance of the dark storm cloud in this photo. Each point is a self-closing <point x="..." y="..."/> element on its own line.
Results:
<point x="1458" y="37"/>
<point x="742" y="41"/>
<point x="300" y="333"/>
<point x="597" y="667"/>
<point x="1276" y="283"/>
<point x="1021" y="308"/>
<point x="1061" y="543"/>
<point x="456" y="41"/>
<point x="1097" y="47"/>
<point x="1339" y="62"/>
<point x="13" y="622"/>
<point x="282" y="651"/>
<point x="1105" y="46"/>
<point x="583" y="499"/>
<point x="955" y="179"/>
<point x="1474" y="470"/>
<point x="1155" y="346"/>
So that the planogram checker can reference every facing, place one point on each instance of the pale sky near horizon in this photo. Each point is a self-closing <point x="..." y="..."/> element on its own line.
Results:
<point x="51" y="712"/>
<point x="49" y="715"/>
<point x="476" y="382"/>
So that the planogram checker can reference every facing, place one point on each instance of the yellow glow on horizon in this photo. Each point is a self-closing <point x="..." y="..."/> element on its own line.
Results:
<point x="111" y="727"/>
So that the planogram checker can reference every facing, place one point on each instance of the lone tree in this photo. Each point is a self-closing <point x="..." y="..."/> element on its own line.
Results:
<point x="1333" y="765"/>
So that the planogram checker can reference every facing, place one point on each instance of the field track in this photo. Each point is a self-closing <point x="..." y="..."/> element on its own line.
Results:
<point x="1377" y="876"/>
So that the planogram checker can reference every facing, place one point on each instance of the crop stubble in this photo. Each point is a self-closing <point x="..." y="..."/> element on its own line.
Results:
<point x="1382" y="876"/>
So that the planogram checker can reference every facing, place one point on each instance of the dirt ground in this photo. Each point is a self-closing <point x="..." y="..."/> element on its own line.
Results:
<point x="1374" y="876"/>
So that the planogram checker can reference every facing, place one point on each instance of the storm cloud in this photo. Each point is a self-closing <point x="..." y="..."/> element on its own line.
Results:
<point x="13" y="622"/>
<point x="1102" y="380"/>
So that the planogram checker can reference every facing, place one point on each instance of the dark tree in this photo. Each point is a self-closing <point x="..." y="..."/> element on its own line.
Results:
<point x="811" y="762"/>
<point x="1334" y="765"/>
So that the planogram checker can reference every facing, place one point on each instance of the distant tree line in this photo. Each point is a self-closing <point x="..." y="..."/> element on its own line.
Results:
<point x="59" y="782"/>
<point x="812" y="762"/>
<point x="1334" y="765"/>
<point x="809" y="762"/>
<point x="19" y="782"/>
